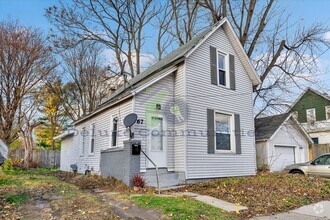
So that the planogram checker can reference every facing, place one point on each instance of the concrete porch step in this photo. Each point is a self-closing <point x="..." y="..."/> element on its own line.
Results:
<point x="166" y="178"/>
<point x="163" y="176"/>
<point x="152" y="171"/>
<point x="165" y="183"/>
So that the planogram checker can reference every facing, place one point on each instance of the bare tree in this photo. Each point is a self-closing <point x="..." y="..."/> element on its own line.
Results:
<point x="118" y="24"/>
<point x="285" y="53"/>
<point x="88" y="80"/>
<point x="163" y="24"/>
<point x="185" y="20"/>
<point x="25" y="60"/>
<point x="29" y="122"/>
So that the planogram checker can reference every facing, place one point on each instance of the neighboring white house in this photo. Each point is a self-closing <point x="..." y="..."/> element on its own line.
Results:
<point x="199" y="97"/>
<point x="280" y="141"/>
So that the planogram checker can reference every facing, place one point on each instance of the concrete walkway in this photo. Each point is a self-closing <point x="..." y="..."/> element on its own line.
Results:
<point x="320" y="210"/>
<point x="218" y="203"/>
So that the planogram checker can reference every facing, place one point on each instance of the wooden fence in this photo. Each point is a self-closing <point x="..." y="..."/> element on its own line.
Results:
<point x="43" y="158"/>
<point x="319" y="149"/>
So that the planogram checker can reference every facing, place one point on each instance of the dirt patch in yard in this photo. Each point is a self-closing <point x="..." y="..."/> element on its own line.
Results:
<point x="33" y="196"/>
<point x="266" y="193"/>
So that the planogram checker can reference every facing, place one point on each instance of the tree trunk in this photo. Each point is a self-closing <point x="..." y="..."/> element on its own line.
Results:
<point x="28" y="147"/>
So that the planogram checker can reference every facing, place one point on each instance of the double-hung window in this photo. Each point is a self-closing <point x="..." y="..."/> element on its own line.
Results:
<point x="114" y="134"/>
<point x="327" y="112"/>
<point x="224" y="135"/>
<point x="222" y="73"/>
<point x="83" y="141"/>
<point x="311" y="117"/>
<point x="92" y="147"/>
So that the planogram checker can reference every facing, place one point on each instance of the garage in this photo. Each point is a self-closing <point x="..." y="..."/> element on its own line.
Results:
<point x="280" y="141"/>
<point x="284" y="155"/>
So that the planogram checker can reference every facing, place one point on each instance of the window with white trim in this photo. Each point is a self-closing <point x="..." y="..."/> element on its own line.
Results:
<point x="327" y="112"/>
<point x="92" y="144"/>
<point x="295" y="114"/>
<point x="114" y="134"/>
<point x="83" y="141"/>
<point x="222" y="69"/>
<point x="311" y="117"/>
<point x="224" y="124"/>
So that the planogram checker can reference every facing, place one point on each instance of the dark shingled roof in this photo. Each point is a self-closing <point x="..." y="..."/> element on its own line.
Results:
<point x="267" y="126"/>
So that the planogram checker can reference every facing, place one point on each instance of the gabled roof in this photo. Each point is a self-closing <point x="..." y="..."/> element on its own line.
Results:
<point x="178" y="56"/>
<point x="67" y="133"/>
<point x="266" y="127"/>
<point x="323" y="95"/>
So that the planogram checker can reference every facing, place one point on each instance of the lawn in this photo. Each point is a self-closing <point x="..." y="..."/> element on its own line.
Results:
<point x="182" y="208"/>
<point x="266" y="193"/>
<point x="38" y="195"/>
<point x="46" y="194"/>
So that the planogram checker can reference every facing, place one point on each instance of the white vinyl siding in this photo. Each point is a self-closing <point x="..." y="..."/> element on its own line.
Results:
<point x="103" y="126"/>
<point x="288" y="135"/>
<point x="179" y="141"/>
<point x="200" y="96"/>
<point x="146" y="101"/>
<point x="83" y="141"/>
<point x="69" y="153"/>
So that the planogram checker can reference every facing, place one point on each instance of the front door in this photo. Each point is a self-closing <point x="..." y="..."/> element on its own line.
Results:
<point x="157" y="144"/>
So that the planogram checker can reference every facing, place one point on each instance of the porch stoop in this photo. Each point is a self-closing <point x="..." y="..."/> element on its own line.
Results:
<point x="166" y="178"/>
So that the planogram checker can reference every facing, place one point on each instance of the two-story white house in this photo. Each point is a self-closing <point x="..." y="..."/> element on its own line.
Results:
<point x="195" y="113"/>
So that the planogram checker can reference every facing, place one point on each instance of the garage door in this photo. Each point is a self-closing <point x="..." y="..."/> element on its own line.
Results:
<point x="284" y="155"/>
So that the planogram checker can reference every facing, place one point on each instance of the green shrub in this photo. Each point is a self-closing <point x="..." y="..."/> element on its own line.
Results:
<point x="13" y="164"/>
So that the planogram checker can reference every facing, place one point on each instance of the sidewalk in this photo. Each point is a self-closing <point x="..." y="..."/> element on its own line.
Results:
<point x="320" y="210"/>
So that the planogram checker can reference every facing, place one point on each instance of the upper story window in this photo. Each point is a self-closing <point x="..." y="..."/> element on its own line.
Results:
<point x="114" y="132"/>
<point x="295" y="115"/>
<point x="92" y="147"/>
<point x="327" y="112"/>
<point x="223" y="127"/>
<point x="311" y="117"/>
<point x="222" y="71"/>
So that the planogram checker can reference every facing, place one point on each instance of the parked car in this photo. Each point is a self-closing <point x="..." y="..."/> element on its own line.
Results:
<point x="318" y="167"/>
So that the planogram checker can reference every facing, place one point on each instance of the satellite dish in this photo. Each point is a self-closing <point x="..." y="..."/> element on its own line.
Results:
<point x="130" y="120"/>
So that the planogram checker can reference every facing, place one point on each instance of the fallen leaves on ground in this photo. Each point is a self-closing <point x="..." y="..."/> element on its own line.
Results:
<point x="266" y="193"/>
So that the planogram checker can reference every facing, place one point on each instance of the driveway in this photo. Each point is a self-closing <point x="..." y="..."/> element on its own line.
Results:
<point x="315" y="211"/>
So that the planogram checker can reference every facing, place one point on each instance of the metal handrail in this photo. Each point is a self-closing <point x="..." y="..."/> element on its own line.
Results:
<point x="156" y="169"/>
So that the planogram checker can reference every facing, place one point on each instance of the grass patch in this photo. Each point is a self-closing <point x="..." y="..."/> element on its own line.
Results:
<point x="266" y="193"/>
<point x="182" y="207"/>
<point x="9" y="182"/>
<point x="25" y="193"/>
<point x="16" y="199"/>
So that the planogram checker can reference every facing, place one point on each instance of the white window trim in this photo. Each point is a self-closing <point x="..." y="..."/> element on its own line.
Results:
<point x="91" y="137"/>
<point x="111" y="130"/>
<point x="314" y="114"/>
<point x="232" y="132"/>
<point x="83" y="141"/>
<point x="326" y="109"/>
<point x="295" y="114"/>
<point x="227" y="77"/>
